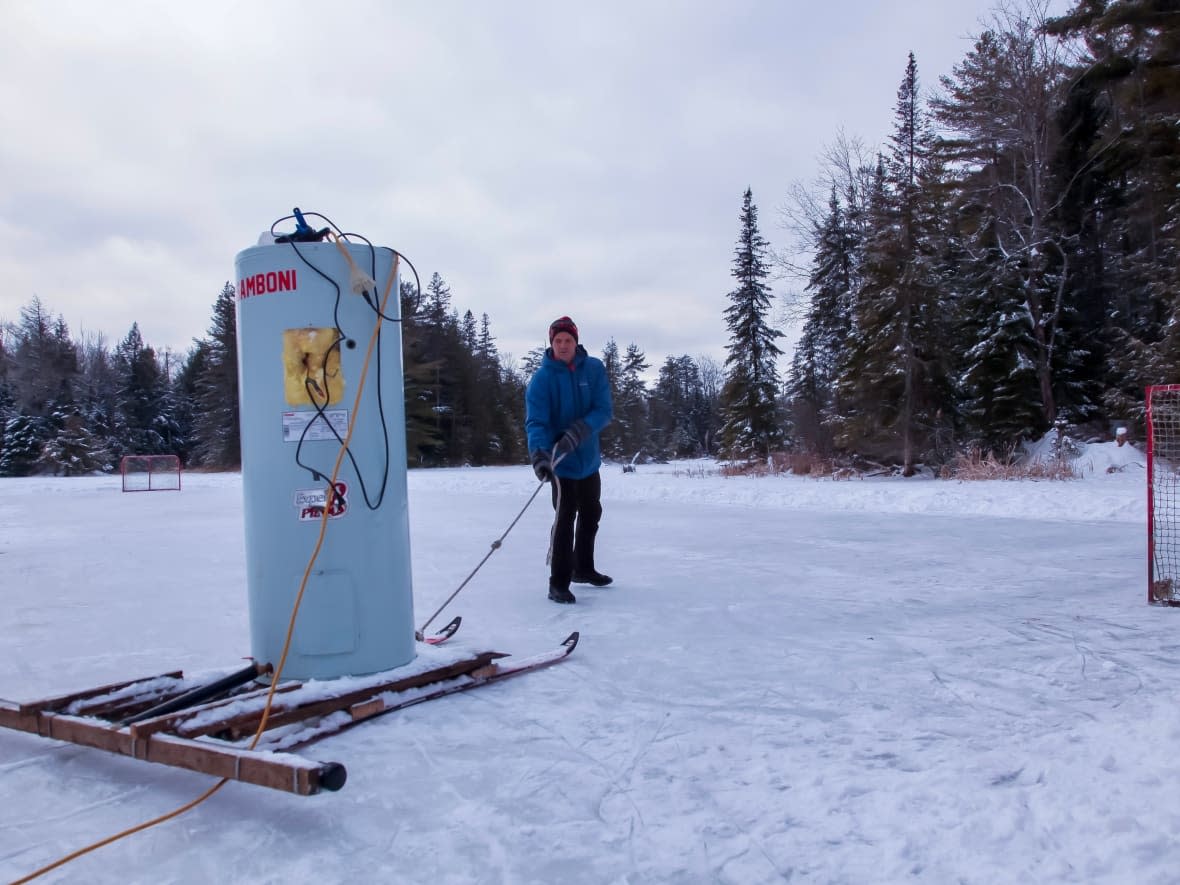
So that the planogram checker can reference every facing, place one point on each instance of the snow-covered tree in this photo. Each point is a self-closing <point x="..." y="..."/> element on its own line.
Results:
<point x="811" y="384"/>
<point x="23" y="438"/>
<point x="999" y="107"/>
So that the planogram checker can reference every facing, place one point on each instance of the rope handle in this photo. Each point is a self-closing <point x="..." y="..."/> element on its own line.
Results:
<point x="496" y="544"/>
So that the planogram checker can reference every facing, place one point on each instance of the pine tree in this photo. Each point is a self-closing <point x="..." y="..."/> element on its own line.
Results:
<point x="811" y="385"/>
<point x="142" y="388"/>
<point x="503" y="391"/>
<point x="44" y="363"/>
<point x="418" y="374"/>
<point x="7" y="412"/>
<point x="23" y="437"/>
<point x="1000" y="102"/>
<point x="611" y="440"/>
<point x="216" y="432"/>
<point x="1000" y="381"/>
<point x="184" y="393"/>
<point x="1119" y="169"/>
<point x="437" y="309"/>
<point x="895" y="387"/>
<point x="679" y="414"/>
<point x="439" y="354"/>
<point x="74" y="449"/>
<point x="98" y="398"/>
<point x="749" y="398"/>
<point x="630" y="408"/>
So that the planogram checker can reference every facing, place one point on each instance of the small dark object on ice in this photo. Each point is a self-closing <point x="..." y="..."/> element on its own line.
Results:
<point x="562" y="595"/>
<point x="598" y="579"/>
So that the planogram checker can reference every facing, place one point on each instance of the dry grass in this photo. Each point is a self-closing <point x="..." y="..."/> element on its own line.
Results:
<point x="797" y="463"/>
<point x="974" y="465"/>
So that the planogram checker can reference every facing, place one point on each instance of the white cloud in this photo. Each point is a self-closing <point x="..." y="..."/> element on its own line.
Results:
<point x="543" y="158"/>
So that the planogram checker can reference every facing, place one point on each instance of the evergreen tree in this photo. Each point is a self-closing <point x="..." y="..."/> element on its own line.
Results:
<point x="184" y="392"/>
<point x="748" y="400"/>
<point x="23" y="438"/>
<point x="440" y="357"/>
<point x="811" y="384"/>
<point x="1000" y="380"/>
<point x="468" y="333"/>
<point x="679" y="413"/>
<point x="1119" y="170"/>
<point x="437" y="309"/>
<point x="7" y="412"/>
<point x="611" y="439"/>
<point x="895" y="388"/>
<point x="630" y="409"/>
<point x="216" y="431"/>
<point x="98" y="399"/>
<point x="1001" y="102"/>
<point x="44" y="363"/>
<point x="74" y="449"/>
<point x="418" y="374"/>
<point x="142" y="388"/>
<point x="504" y="393"/>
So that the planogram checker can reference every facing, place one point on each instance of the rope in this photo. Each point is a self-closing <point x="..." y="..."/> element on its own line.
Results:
<point x="496" y="546"/>
<point x="329" y="492"/>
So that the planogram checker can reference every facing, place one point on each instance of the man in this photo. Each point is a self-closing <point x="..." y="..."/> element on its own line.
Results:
<point x="567" y="404"/>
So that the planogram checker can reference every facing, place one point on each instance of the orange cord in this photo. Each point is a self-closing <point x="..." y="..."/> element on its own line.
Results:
<point x="274" y="682"/>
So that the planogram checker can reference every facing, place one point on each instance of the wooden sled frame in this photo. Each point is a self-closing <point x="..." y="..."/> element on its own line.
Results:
<point x="213" y="737"/>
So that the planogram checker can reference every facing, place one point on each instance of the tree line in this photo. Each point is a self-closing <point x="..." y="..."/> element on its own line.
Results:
<point x="1008" y="262"/>
<point x="77" y="407"/>
<point x="1011" y="260"/>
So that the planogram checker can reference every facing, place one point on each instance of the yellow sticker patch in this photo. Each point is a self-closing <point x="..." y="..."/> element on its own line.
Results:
<point x="311" y="367"/>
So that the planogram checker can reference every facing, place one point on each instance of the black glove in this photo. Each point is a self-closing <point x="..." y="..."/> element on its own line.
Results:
<point x="572" y="438"/>
<point x="542" y="465"/>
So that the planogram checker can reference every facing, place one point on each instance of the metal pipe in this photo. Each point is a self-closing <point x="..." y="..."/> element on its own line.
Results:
<point x="201" y="694"/>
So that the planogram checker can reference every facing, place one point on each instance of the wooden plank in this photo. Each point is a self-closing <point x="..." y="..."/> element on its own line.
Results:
<point x="60" y="702"/>
<point x="86" y="732"/>
<point x="285" y="711"/>
<point x="119" y="708"/>
<point x="279" y="771"/>
<point x="168" y="721"/>
<point x="13" y="716"/>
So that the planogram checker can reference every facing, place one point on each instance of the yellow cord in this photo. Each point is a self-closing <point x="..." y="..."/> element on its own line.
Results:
<point x="331" y="490"/>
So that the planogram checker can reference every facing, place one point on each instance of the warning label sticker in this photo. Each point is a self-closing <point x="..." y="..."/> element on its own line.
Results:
<point x="310" y="426"/>
<point x="309" y="503"/>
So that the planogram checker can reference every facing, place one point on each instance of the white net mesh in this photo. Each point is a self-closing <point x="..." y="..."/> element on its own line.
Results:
<point x="150" y="473"/>
<point x="1163" y="427"/>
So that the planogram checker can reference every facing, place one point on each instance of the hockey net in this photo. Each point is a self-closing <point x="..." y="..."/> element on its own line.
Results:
<point x="1163" y="494"/>
<point x="150" y="473"/>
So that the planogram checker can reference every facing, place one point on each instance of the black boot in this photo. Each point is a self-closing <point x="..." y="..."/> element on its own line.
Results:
<point x="592" y="577"/>
<point x="561" y="594"/>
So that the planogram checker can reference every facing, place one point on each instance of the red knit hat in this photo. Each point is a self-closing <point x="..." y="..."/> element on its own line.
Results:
<point x="563" y="324"/>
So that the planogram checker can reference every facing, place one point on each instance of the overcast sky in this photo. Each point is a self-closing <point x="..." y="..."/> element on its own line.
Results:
<point x="545" y="158"/>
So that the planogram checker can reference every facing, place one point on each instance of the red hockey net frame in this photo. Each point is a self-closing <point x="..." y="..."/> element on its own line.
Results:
<point x="1163" y="494"/>
<point x="150" y="473"/>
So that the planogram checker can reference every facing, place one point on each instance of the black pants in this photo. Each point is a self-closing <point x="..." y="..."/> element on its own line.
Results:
<point x="578" y="513"/>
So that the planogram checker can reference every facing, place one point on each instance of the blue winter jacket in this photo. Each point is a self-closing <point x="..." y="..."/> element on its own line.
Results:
<point x="557" y="396"/>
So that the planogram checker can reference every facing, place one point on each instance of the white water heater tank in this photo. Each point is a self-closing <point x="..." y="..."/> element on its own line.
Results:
<point x="302" y="338"/>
